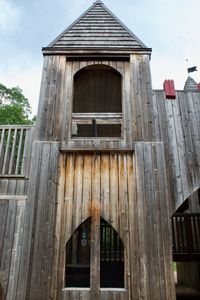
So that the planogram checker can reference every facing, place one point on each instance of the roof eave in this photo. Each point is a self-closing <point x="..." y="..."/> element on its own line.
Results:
<point x="66" y="50"/>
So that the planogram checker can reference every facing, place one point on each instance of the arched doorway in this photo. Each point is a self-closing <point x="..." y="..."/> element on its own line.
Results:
<point x="186" y="248"/>
<point x="78" y="260"/>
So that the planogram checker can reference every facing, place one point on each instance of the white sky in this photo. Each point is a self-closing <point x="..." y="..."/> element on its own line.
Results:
<point x="169" y="27"/>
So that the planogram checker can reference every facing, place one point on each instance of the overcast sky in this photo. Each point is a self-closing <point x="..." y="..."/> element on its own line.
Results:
<point x="170" y="27"/>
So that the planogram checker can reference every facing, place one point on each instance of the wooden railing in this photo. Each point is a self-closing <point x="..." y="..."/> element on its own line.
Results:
<point x="92" y="124"/>
<point x="186" y="236"/>
<point x="14" y="149"/>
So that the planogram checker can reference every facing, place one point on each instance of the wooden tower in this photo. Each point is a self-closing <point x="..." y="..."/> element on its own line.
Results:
<point x="88" y="193"/>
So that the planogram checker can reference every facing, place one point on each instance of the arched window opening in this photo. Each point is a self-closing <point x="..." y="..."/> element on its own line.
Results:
<point x="97" y="102"/>
<point x="186" y="247"/>
<point x="112" y="258"/>
<point x="77" y="271"/>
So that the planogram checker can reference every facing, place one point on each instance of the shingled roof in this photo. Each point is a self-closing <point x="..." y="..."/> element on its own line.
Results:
<point x="190" y="85"/>
<point x="97" y="29"/>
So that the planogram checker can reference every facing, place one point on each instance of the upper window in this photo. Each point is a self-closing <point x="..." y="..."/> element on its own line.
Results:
<point x="97" y="102"/>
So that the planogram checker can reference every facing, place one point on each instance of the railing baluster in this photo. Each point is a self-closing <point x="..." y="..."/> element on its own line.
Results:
<point x="174" y="234"/>
<point x="6" y="157"/>
<point x="178" y="234"/>
<point x="19" y="152"/>
<point x="13" y="152"/>
<point x="194" y="234"/>
<point x="186" y="235"/>
<point x="13" y="149"/>
<point x="2" y="149"/>
<point x="23" y="155"/>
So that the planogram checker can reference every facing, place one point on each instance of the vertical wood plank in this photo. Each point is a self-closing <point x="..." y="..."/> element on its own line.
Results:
<point x="59" y="265"/>
<point x="95" y="230"/>
<point x="6" y="157"/>
<point x="16" y="250"/>
<point x="164" y="220"/>
<point x="43" y="98"/>
<point x="36" y="269"/>
<point x="8" y="242"/>
<point x="105" y="185"/>
<point x="140" y="187"/>
<point x="67" y="107"/>
<point x="78" y="190"/>
<point x="133" y="251"/>
<point x="87" y="186"/>
<point x="114" y="191"/>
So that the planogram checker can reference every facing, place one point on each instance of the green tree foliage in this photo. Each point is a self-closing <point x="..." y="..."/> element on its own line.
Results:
<point x="14" y="106"/>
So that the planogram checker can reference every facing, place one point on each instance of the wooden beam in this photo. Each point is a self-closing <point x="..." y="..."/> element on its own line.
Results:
<point x="13" y="197"/>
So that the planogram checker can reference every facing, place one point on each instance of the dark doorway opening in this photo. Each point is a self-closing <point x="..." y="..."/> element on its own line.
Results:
<point x="112" y="258"/>
<point x="77" y="271"/>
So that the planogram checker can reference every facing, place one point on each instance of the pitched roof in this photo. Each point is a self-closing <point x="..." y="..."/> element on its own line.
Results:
<point x="97" y="28"/>
<point x="190" y="84"/>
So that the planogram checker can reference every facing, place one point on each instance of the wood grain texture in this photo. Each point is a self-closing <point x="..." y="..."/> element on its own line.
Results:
<point x="11" y="234"/>
<point x="177" y="126"/>
<point x="131" y="191"/>
<point x="45" y="197"/>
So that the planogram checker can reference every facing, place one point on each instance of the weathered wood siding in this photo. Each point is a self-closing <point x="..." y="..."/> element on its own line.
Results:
<point x="127" y="188"/>
<point x="130" y="192"/>
<point x="27" y="224"/>
<point x="135" y="186"/>
<point x="12" y="218"/>
<point x="15" y="154"/>
<point x="83" y="294"/>
<point x="141" y="99"/>
<point x="56" y="100"/>
<point x="37" y="270"/>
<point x="177" y="124"/>
<point x="15" y="149"/>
